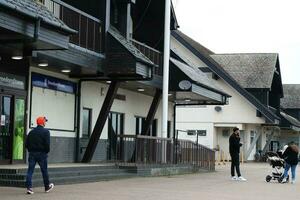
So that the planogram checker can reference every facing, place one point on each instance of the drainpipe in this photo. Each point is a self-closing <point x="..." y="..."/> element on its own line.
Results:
<point x="174" y="122"/>
<point x="77" y="145"/>
<point x="37" y="26"/>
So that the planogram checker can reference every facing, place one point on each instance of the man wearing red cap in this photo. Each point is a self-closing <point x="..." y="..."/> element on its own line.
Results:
<point x="38" y="145"/>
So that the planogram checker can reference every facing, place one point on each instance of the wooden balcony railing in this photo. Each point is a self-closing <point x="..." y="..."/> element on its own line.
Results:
<point x="154" y="55"/>
<point x="137" y="150"/>
<point x="89" y="28"/>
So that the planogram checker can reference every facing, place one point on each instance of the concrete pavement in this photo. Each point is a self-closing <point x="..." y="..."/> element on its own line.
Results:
<point x="205" y="186"/>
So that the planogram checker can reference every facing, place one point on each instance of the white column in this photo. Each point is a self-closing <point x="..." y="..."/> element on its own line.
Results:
<point x="166" y="68"/>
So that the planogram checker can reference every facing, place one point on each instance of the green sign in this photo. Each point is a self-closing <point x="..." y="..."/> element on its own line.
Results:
<point x="18" y="141"/>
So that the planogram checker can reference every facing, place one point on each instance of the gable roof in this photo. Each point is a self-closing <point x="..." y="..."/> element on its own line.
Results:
<point x="291" y="97"/>
<point x="197" y="76"/>
<point x="204" y="54"/>
<point x="255" y="70"/>
<point x="35" y="10"/>
<point x="290" y="122"/>
<point x="193" y="43"/>
<point x="129" y="46"/>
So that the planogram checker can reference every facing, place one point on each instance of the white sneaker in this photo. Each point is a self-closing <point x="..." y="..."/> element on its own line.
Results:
<point x="234" y="178"/>
<point x="293" y="182"/>
<point x="284" y="180"/>
<point x="240" y="178"/>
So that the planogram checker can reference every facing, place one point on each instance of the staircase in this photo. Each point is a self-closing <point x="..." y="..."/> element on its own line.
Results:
<point x="64" y="175"/>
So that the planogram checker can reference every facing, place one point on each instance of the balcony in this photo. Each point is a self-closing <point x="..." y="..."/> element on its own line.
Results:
<point x="154" y="55"/>
<point x="89" y="28"/>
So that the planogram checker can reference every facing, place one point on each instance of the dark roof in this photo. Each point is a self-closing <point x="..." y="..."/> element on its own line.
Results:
<point x="193" y="43"/>
<point x="204" y="55"/>
<point x="35" y="10"/>
<point x="128" y="45"/>
<point x="197" y="76"/>
<point x="293" y="121"/>
<point x="255" y="70"/>
<point x="291" y="97"/>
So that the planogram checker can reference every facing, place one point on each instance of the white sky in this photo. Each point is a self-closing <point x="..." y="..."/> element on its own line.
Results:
<point x="246" y="26"/>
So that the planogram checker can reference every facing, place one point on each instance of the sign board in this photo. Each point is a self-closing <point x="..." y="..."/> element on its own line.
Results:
<point x="52" y="83"/>
<point x="12" y="81"/>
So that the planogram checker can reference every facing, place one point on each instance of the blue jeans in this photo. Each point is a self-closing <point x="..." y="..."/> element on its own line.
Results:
<point x="41" y="159"/>
<point x="293" y="170"/>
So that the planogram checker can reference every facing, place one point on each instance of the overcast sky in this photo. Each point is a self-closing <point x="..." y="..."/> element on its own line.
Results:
<point x="246" y="26"/>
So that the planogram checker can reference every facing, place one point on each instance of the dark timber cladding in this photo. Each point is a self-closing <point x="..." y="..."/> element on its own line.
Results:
<point x="124" y="60"/>
<point x="108" y="101"/>
<point x="32" y="24"/>
<point x="152" y="111"/>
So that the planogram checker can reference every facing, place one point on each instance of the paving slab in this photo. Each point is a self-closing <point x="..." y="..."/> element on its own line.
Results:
<point x="204" y="186"/>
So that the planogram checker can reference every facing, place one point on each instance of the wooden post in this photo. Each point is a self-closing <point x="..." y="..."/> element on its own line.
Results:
<point x="111" y="93"/>
<point x="152" y="112"/>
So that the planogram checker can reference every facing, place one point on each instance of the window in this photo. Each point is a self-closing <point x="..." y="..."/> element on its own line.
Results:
<point x="86" y="122"/>
<point x="140" y="123"/>
<point x="225" y="132"/>
<point x="191" y="132"/>
<point x="201" y="132"/>
<point x="252" y="136"/>
<point x="195" y="132"/>
<point x="116" y="123"/>
<point x="169" y="130"/>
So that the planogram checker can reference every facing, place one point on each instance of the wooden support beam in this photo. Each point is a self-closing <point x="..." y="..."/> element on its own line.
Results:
<point x="111" y="93"/>
<point x="252" y="145"/>
<point x="268" y="142"/>
<point x="152" y="111"/>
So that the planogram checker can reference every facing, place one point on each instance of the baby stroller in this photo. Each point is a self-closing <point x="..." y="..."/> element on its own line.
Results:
<point x="277" y="163"/>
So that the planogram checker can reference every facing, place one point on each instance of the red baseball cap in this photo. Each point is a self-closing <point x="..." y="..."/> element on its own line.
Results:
<point x="41" y="120"/>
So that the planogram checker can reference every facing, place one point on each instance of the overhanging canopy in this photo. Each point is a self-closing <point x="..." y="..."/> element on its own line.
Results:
<point x="191" y="86"/>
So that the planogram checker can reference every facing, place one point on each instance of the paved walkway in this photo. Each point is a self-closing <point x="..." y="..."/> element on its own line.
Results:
<point x="205" y="186"/>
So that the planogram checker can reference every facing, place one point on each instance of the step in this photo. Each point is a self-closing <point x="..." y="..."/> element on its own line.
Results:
<point x="69" y="179"/>
<point x="71" y="172"/>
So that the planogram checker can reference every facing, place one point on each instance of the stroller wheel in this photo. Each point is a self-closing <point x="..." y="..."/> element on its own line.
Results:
<point x="280" y="179"/>
<point x="268" y="178"/>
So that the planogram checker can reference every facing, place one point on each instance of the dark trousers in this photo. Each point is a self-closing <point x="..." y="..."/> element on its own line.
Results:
<point x="41" y="159"/>
<point x="235" y="164"/>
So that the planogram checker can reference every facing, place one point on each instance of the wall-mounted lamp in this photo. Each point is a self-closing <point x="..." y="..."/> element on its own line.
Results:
<point x="66" y="71"/>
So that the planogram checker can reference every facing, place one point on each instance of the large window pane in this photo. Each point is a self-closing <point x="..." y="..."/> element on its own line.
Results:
<point x="86" y="122"/>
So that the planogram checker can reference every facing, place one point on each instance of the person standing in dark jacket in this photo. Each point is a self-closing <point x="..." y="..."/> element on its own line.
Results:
<point x="290" y="156"/>
<point x="38" y="146"/>
<point x="234" y="150"/>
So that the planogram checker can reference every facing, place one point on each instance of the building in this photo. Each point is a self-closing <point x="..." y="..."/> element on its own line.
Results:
<point x="290" y="110"/>
<point x="80" y="64"/>
<point x="253" y="81"/>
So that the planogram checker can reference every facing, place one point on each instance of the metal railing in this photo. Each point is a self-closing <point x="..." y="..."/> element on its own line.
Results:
<point x="142" y="150"/>
<point x="188" y="152"/>
<point x="154" y="55"/>
<point x="89" y="28"/>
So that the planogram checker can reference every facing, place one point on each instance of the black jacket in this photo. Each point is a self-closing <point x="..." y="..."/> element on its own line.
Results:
<point x="38" y="140"/>
<point x="290" y="156"/>
<point x="234" y="144"/>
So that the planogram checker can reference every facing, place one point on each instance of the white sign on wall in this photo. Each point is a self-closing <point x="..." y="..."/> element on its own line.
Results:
<point x="2" y="123"/>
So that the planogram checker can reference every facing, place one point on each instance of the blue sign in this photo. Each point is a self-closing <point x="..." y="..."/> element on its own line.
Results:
<point x="52" y="83"/>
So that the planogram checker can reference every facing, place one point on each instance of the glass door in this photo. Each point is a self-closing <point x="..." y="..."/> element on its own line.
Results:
<point x="5" y="129"/>
<point x="115" y="127"/>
